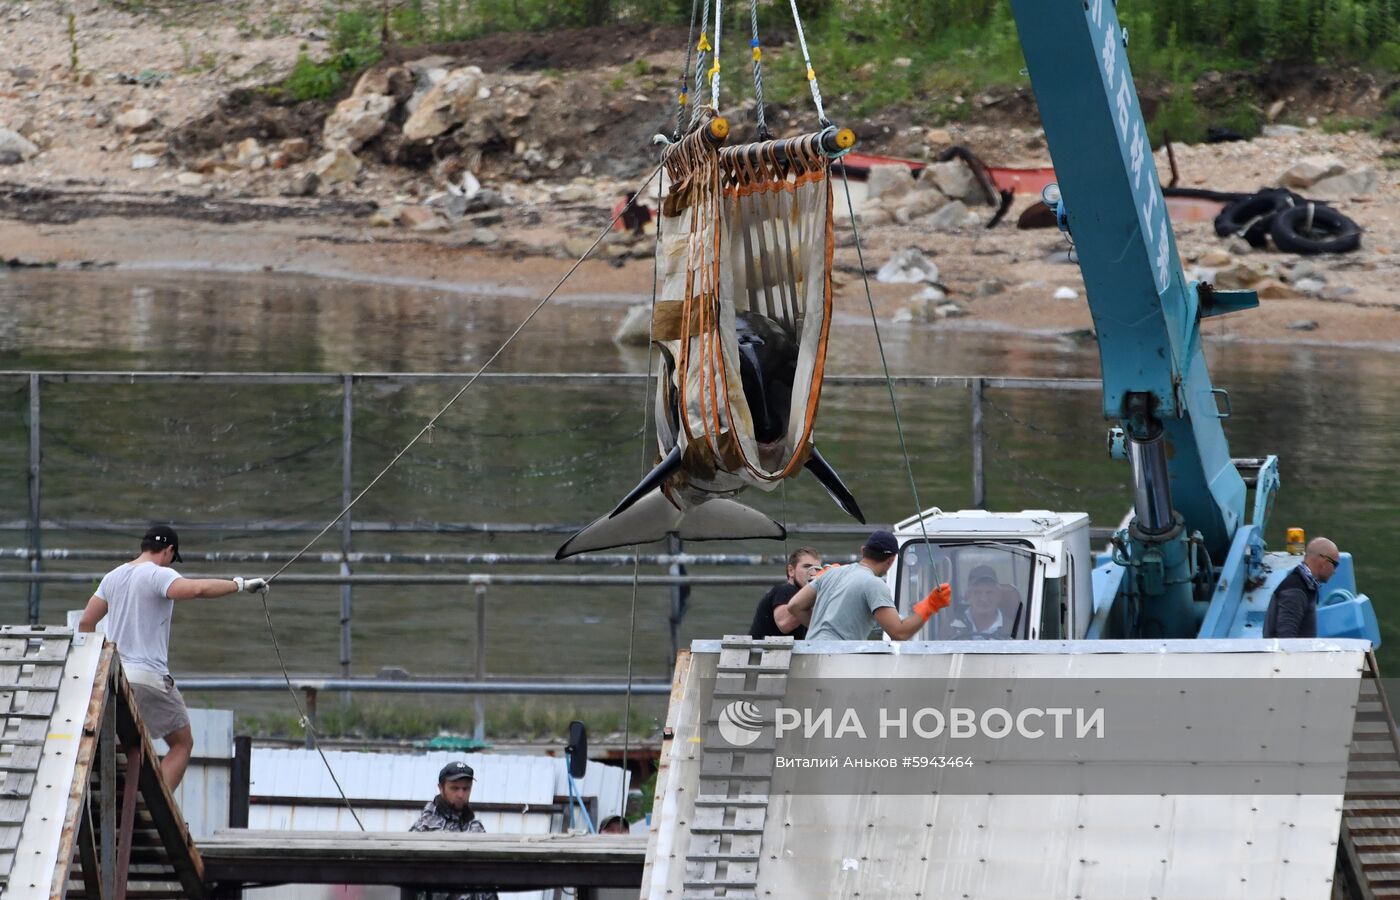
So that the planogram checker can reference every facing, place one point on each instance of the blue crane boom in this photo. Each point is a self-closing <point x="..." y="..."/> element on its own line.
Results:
<point x="1189" y="498"/>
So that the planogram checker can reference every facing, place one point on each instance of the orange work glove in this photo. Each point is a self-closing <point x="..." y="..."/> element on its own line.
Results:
<point x="823" y="570"/>
<point x="937" y="599"/>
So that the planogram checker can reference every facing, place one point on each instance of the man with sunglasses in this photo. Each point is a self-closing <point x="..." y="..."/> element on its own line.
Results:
<point x="1293" y="607"/>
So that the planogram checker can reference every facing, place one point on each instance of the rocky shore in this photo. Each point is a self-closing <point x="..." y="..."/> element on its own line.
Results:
<point x="469" y="169"/>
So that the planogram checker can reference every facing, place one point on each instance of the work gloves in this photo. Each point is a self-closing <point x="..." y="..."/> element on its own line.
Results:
<point x="937" y="599"/>
<point x="251" y="585"/>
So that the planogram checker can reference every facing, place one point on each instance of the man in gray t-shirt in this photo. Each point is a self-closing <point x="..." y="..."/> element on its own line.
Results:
<point x="846" y="603"/>
<point x="138" y="599"/>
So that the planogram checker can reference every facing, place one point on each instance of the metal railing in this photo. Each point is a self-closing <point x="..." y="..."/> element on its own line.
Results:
<point x="311" y="686"/>
<point x="347" y="557"/>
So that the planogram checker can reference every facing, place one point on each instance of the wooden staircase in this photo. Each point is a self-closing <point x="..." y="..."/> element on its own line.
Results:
<point x="1368" y="851"/>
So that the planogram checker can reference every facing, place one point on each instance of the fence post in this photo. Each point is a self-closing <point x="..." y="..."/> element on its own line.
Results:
<point x="347" y="591"/>
<point x="979" y="471"/>
<point x="478" y="704"/>
<point x="680" y="593"/>
<point x="36" y="563"/>
<point x="240" y="781"/>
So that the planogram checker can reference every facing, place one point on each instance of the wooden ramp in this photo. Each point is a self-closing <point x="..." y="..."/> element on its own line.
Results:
<point x="83" y="811"/>
<point x="1369" y="845"/>
<point x="239" y="857"/>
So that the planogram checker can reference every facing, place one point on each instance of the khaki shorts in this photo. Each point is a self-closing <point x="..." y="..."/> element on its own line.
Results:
<point x="162" y="708"/>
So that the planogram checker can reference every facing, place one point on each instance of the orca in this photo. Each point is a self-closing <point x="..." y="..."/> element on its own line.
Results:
<point x="699" y="506"/>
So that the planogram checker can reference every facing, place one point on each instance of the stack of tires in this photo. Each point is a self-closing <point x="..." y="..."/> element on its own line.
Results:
<point x="1296" y="224"/>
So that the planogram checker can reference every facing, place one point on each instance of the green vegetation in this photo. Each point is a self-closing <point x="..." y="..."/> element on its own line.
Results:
<point x="72" y="44"/>
<point x="927" y="56"/>
<point x="356" y="42"/>
<point x="420" y="719"/>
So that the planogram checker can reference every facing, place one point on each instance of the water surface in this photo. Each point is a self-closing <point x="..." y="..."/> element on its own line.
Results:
<point x="530" y="453"/>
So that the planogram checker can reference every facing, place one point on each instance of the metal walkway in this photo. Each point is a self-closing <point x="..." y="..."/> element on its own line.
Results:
<point x="1369" y="845"/>
<point x="237" y="857"/>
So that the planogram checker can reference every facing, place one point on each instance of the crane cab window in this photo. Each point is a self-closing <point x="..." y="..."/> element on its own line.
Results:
<point x="991" y="588"/>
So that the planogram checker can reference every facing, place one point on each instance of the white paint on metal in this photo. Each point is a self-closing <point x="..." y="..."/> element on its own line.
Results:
<point x="203" y="795"/>
<point x="1096" y="847"/>
<point x="529" y="781"/>
<point x="36" y="854"/>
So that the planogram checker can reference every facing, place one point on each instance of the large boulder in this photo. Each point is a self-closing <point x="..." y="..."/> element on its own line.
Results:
<point x="1310" y="170"/>
<point x="953" y="216"/>
<point x="917" y="204"/>
<point x="390" y="81"/>
<point x="909" y="266"/>
<point x="446" y="104"/>
<point x="16" y="146"/>
<point x="356" y="119"/>
<point x="957" y="180"/>
<point x="886" y="181"/>
<point x="337" y="165"/>
<point x="1349" y="184"/>
<point x="135" y="120"/>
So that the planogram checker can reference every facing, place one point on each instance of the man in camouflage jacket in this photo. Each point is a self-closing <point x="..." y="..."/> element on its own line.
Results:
<point x="451" y="810"/>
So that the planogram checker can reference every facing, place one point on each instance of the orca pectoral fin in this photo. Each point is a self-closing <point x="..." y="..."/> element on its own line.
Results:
<point x="648" y="519"/>
<point x="664" y="469"/>
<point x="834" y="485"/>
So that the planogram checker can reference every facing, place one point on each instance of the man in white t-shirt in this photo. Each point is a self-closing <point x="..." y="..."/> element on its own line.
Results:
<point x="847" y="602"/>
<point x="137" y="599"/>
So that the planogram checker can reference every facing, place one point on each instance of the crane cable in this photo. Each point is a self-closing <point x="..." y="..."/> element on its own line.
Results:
<point x="884" y="363"/>
<point x="812" y="78"/>
<point x="757" y="52"/>
<point x="303" y="718"/>
<point x="636" y="548"/>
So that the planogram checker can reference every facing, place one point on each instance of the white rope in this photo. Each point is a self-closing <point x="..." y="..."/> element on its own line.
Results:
<point x="714" y="69"/>
<point x="807" y="58"/>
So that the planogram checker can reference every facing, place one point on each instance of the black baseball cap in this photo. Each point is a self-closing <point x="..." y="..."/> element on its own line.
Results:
<point x="882" y="543"/>
<point x="456" y="772"/>
<point x="163" y="536"/>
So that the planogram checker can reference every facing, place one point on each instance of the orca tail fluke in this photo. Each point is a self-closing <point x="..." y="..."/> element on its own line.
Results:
<point x="654" y="516"/>
<point x="824" y="473"/>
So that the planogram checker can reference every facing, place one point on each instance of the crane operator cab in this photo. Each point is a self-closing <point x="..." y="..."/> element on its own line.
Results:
<point x="1014" y="576"/>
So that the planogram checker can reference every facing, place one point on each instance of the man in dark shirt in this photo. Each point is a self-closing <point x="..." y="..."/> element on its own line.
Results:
<point x="1293" y="607"/>
<point x="451" y="810"/>
<point x="802" y="562"/>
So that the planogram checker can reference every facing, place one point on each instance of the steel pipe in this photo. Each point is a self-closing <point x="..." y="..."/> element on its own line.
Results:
<point x="457" y="578"/>
<point x="1152" y="490"/>
<point x="409" y="686"/>
<point x="582" y="378"/>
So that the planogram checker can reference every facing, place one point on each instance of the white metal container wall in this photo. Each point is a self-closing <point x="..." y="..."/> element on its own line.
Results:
<point x="204" y="793"/>
<point x="1097" y="847"/>
<point x="515" y="779"/>
<point x="527" y="781"/>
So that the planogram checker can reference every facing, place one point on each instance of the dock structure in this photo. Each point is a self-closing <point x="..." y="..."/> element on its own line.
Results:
<point x="729" y="826"/>
<point x="424" y="861"/>
<point x="85" y="814"/>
